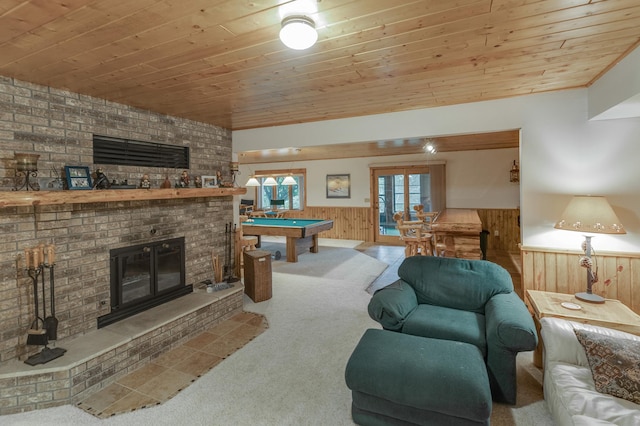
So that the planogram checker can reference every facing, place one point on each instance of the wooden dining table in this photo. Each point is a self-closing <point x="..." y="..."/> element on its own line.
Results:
<point x="460" y="230"/>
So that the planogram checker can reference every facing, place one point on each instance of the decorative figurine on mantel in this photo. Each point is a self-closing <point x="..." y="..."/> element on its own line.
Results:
<point x="184" y="179"/>
<point x="101" y="182"/>
<point x="198" y="182"/>
<point x="166" y="184"/>
<point x="219" y="180"/>
<point x="145" y="183"/>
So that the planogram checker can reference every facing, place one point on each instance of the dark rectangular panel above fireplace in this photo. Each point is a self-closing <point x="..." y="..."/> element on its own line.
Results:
<point x="144" y="276"/>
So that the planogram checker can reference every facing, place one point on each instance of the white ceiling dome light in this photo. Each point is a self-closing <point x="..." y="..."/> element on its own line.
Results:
<point x="298" y="32"/>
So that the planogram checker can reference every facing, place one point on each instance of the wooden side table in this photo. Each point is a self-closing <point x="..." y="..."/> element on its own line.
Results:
<point x="611" y="314"/>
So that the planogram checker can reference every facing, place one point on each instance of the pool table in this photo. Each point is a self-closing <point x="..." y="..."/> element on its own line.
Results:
<point x="302" y="234"/>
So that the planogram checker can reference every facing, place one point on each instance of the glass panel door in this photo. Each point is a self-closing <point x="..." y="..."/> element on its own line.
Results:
<point x="169" y="258"/>
<point x="398" y="190"/>
<point x="135" y="276"/>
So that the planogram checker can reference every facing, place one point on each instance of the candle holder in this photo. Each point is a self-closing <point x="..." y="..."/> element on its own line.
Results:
<point x="26" y="169"/>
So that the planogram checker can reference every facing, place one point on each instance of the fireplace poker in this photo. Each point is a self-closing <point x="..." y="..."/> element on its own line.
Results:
<point x="51" y="322"/>
<point x="228" y="266"/>
<point x="36" y="336"/>
<point x="232" y="278"/>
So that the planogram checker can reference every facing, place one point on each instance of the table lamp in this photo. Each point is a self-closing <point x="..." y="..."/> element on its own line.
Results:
<point x="589" y="215"/>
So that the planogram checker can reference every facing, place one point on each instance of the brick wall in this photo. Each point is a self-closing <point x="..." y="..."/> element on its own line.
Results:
<point x="59" y="125"/>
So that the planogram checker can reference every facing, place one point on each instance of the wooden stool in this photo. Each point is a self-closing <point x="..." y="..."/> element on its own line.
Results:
<point x="417" y="241"/>
<point x="243" y="243"/>
<point x="439" y="244"/>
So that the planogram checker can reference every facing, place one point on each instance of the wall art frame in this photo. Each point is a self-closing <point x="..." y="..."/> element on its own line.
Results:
<point x="339" y="186"/>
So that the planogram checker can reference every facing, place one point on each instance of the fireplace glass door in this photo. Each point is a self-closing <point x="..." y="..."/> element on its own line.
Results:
<point x="169" y="258"/>
<point x="144" y="276"/>
<point x="135" y="276"/>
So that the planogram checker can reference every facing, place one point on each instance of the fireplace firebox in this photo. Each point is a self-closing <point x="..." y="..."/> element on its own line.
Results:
<point x="144" y="276"/>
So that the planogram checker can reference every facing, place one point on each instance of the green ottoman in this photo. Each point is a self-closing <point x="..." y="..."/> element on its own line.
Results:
<point x="402" y="379"/>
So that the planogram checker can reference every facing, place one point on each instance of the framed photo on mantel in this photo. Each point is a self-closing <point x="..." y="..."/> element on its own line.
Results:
<point x="339" y="186"/>
<point x="78" y="177"/>
<point x="209" y="182"/>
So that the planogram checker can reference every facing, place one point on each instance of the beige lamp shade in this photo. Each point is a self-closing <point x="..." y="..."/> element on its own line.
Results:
<point x="252" y="182"/>
<point x="270" y="182"/>
<point x="590" y="215"/>
<point x="289" y="181"/>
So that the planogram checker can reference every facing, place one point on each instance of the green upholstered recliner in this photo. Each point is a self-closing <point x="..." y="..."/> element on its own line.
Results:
<point x="464" y="300"/>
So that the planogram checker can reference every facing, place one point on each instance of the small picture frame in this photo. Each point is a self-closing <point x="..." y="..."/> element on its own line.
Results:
<point x="209" y="182"/>
<point x="78" y="177"/>
<point x="339" y="186"/>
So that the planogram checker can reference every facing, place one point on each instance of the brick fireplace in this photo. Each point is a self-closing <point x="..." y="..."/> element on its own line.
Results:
<point x="59" y="125"/>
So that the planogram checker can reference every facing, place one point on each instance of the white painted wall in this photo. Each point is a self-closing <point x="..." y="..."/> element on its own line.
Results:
<point x="561" y="154"/>
<point x="475" y="179"/>
<point x="617" y="93"/>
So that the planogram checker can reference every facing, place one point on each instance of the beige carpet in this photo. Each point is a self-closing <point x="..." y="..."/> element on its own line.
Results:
<point x="334" y="262"/>
<point x="530" y="409"/>
<point x="293" y="373"/>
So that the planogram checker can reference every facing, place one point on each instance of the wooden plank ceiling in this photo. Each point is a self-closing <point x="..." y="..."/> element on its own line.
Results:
<point x="221" y="62"/>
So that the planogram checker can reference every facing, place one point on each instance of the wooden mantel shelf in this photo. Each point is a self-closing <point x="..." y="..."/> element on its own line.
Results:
<point x="43" y="198"/>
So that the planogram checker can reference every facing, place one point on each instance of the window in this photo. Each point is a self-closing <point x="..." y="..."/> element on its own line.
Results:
<point x="399" y="189"/>
<point x="293" y="195"/>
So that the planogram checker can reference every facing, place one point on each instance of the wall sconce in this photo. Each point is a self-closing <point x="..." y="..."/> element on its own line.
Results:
<point x="26" y="168"/>
<point x="514" y="174"/>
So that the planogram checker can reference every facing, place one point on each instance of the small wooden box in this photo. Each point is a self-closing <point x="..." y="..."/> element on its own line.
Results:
<point x="257" y="275"/>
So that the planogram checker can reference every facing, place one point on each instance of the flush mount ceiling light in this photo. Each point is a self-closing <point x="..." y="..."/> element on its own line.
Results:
<point x="298" y="32"/>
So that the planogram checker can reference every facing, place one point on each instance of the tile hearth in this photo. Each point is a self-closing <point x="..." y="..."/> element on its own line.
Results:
<point x="101" y="357"/>
<point x="173" y="371"/>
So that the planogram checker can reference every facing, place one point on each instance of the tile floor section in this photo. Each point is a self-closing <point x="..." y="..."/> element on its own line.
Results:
<point x="176" y="369"/>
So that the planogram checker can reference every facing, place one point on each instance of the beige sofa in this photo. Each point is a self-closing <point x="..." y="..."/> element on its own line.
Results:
<point x="569" y="388"/>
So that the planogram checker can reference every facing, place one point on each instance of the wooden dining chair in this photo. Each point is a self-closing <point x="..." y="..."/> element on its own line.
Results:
<point x="416" y="239"/>
<point x="277" y="209"/>
<point x="427" y="218"/>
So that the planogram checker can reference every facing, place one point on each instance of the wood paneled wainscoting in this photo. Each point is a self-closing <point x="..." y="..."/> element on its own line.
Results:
<point x="349" y="223"/>
<point x="356" y="223"/>
<point x="559" y="271"/>
<point x="506" y="222"/>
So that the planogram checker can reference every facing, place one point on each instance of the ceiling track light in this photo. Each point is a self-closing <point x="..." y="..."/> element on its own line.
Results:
<point x="298" y="32"/>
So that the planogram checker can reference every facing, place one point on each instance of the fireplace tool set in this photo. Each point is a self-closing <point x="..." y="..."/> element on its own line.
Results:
<point x="43" y="328"/>
<point x="229" y="230"/>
